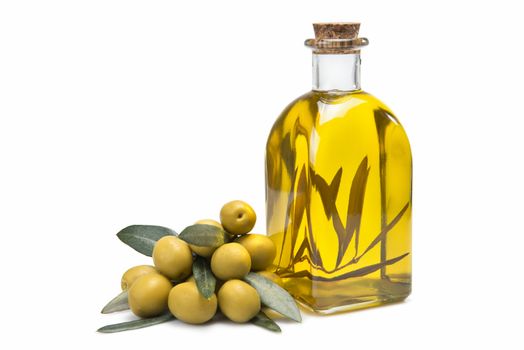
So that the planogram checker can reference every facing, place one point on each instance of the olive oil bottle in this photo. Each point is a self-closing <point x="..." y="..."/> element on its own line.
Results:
<point x="338" y="186"/>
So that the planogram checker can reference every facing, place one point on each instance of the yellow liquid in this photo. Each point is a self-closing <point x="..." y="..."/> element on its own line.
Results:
<point x="338" y="201"/>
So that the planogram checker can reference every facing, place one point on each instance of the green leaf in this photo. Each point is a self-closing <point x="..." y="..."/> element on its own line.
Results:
<point x="274" y="296"/>
<point x="205" y="280"/>
<point x="288" y="215"/>
<point x="135" y="324"/>
<point x="288" y="156"/>
<point x="204" y="235"/>
<point x="354" y="213"/>
<point x="328" y="193"/>
<point x="142" y="238"/>
<point x="298" y="205"/>
<point x="355" y="273"/>
<point x="364" y="270"/>
<point x="299" y="255"/>
<point x="316" y="259"/>
<point x="262" y="320"/>
<point x="385" y="231"/>
<point x="118" y="303"/>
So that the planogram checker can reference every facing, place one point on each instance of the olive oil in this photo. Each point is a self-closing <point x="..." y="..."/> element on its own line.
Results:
<point x="338" y="187"/>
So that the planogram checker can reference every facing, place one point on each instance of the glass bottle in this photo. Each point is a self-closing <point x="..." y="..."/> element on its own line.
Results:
<point x="338" y="186"/>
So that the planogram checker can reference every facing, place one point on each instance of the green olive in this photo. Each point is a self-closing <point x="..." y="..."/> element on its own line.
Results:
<point x="148" y="295"/>
<point x="230" y="260"/>
<point x="206" y="252"/>
<point x="237" y="217"/>
<point x="272" y="277"/>
<point x="131" y="275"/>
<point x="188" y="305"/>
<point x="238" y="301"/>
<point x="173" y="258"/>
<point x="261" y="249"/>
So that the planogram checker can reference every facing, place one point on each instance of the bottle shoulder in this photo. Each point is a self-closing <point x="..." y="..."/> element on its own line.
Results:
<point x="316" y="112"/>
<point x="313" y="104"/>
<point x="327" y="122"/>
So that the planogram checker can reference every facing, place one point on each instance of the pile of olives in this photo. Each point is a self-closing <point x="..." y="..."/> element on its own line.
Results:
<point x="169" y="284"/>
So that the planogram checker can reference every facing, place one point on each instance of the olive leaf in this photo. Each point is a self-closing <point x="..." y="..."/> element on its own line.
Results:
<point x="328" y="195"/>
<point x="142" y="238"/>
<point x="300" y="252"/>
<point x="288" y="156"/>
<point x="135" y="324"/>
<point x="299" y="206"/>
<point x="328" y="192"/>
<point x="262" y="320"/>
<point x="274" y="296"/>
<point x="364" y="270"/>
<point x="316" y="259"/>
<point x="380" y="237"/>
<point x="382" y="119"/>
<point x="354" y="213"/>
<point x="118" y="303"/>
<point x="355" y="273"/>
<point x="289" y="206"/>
<point x="204" y="235"/>
<point x="205" y="280"/>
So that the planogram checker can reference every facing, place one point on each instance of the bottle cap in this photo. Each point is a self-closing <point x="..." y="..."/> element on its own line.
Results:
<point x="347" y="30"/>
<point x="336" y="38"/>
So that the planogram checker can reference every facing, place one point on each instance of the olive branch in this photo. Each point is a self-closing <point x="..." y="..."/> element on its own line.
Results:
<point x="298" y="209"/>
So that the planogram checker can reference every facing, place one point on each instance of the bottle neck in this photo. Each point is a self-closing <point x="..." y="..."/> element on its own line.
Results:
<point x="336" y="72"/>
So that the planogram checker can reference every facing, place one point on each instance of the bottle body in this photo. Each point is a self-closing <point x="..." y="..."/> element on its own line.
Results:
<point x="338" y="201"/>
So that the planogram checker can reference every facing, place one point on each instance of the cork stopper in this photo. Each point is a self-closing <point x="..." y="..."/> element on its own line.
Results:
<point x="336" y="38"/>
<point x="328" y="31"/>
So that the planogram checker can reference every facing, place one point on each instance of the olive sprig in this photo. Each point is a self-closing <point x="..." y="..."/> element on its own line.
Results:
<point x="209" y="266"/>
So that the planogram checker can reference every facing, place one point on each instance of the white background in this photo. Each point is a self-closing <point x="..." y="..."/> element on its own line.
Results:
<point x="156" y="112"/>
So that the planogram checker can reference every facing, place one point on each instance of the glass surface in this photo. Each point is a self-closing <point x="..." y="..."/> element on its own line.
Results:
<point x="338" y="193"/>
<point x="336" y="72"/>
